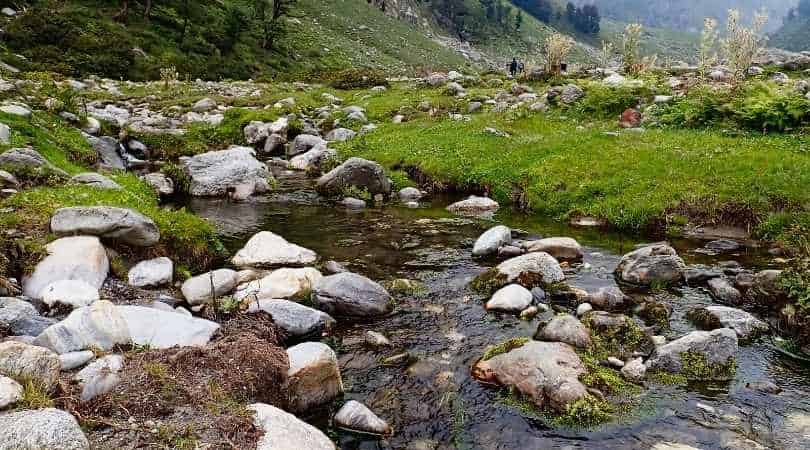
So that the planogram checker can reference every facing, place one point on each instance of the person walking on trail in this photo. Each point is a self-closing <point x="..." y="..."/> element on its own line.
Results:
<point x="513" y="67"/>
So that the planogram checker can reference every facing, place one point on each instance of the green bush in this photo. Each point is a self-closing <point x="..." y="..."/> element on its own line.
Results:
<point x="769" y="108"/>
<point x="608" y="102"/>
<point x="358" y="79"/>
<point x="702" y="107"/>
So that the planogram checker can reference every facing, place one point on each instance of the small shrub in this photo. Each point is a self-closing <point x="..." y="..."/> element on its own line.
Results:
<point x="358" y="79"/>
<point x="556" y="50"/>
<point x="741" y="45"/>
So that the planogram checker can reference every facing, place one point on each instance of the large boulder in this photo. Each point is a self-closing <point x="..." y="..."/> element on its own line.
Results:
<point x="529" y="270"/>
<point x="314" y="376"/>
<point x="151" y="273"/>
<point x="28" y="362"/>
<point x="652" y="264"/>
<point x="108" y="149"/>
<point x="117" y="224"/>
<point x="71" y="293"/>
<point x="99" y="326"/>
<point x="513" y="299"/>
<point x="220" y="172"/>
<point x="80" y="258"/>
<point x="571" y="94"/>
<point x="703" y="355"/>
<point x="567" y="329"/>
<point x="159" y="329"/>
<point x="297" y="321"/>
<point x="21" y="318"/>
<point x="743" y="323"/>
<point x="351" y="295"/>
<point x="18" y="160"/>
<point x="561" y="248"/>
<point x="209" y="286"/>
<point x="355" y="416"/>
<point x="304" y="143"/>
<point x="474" y="206"/>
<point x="266" y="249"/>
<point x="283" y="431"/>
<point x="281" y="284"/>
<point x="355" y="173"/>
<point x="492" y="240"/>
<point x="546" y="373"/>
<point x="41" y="429"/>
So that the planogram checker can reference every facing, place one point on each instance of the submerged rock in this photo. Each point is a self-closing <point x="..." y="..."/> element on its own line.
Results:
<point x="355" y="416"/>
<point x="80" y="258"/>
<point x="266" y="249"/>
<point x="355" y="173"/>
<point x="651" y="264"/>
<point x="283" y="431"/>
<point x="566" y="329"/>
<point x="29" y="362"/>
<point x="351" y="295"/>
<point x="513" y="299"/>
<point x="314" y="376"/>
<point x="702" y="355"/>
<point x="547" y="373"/>
<point x="492" y="240"/>
<point x="117" y="224"/>
<point x="297" y="320"/>
<point x="47" y="428"/>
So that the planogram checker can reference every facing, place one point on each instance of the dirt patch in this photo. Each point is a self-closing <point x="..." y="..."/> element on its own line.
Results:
<point x="190" y="397"/>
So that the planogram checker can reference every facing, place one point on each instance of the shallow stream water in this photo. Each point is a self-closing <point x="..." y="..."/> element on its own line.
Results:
<point x="433" y="402"/>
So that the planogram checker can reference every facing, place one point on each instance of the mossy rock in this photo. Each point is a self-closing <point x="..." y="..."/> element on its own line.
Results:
<point x="696" y="367"/>
<point x="504" y="347"/>
<point x="616" y="335"/>
<point x="703" y="319"/>
<point x="653" y="312"/>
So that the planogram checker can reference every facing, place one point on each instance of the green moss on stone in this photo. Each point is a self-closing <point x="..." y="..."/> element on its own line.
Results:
<point x="694" y="366"/>
<point x="504" y="347"/>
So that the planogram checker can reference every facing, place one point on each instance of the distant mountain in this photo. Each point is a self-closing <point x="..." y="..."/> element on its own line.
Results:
<point x="688" y="15"/>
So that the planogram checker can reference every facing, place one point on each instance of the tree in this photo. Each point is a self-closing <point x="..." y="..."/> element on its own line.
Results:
<point x="518" y="20"/>
<point x="271" y="14"/>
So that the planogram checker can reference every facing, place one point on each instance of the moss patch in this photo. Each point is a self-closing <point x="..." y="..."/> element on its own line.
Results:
<point x="696" y="367"/>
<point x="504" y="347"/>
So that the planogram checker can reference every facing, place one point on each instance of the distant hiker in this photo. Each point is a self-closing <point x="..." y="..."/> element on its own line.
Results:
<point x="513" y="67"/>
<point x="521" y="67"/>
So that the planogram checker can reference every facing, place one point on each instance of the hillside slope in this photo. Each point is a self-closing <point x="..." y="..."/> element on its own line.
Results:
<point x="794" y="35"/>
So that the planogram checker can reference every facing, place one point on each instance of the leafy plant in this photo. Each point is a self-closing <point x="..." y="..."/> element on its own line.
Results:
<point x="741" y="45"/>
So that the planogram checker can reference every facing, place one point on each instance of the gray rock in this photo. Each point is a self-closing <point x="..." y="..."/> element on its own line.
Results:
<point x="217" y="173"/>
<point x="571" y="94"/>
<point x="609" y="299"/>
<point x="743" y="323"/>
<point x="724" y="292"/>
<point x="283" y="431"/>
<point x="546" y="373"/>
<point x="95" y="180"/>
<point x="314" y="376"/>
<point x="530" y="270"/>
<point x="474" y="206"/>
<point x="699" y="274"/>
<point x="567" y="329"/>
<point x="72" y="293"/>
<point x="91" y="126"/>
<point x="304" y="143"/>
<point x="351" y="295"/>
<point x="492" y="240"/>
<point x="718" y="347"/>
<point x="21" y="318"/>
<point x="358" y="173"/>
<point x="436" y="79"/>
<point x="512" y="299"/>
<point x="561" y="248"/>
<point x="25" y="159"/>
<point x="615" y="362"/>
<point x="108" y="150"/>
<point x="138" y="148"/>
<point x="723" y="245"/>
<point x="158" y="329"/>
<point x="652" y="264"/>
<point x="355" y="416"/>
<point x="266" y="249"/>
<point x="353" y="203"/>
<point x="98" y="326"/>
<point x="162" y="184"/>
<point x="74" y="258"/>
<point x="340" y="135"/>
<point x="583" y="309"/>
<point x="634" y="370"/>
<point x="376" y="340"/>
<point x="209" y="286"/>
<point x="152" y="273"/>
<point x="10" y="392"/>
<point x="204" y="105"/>
<point x="29" y="362"/>
<point x="297" y="320"/>
<point x="474" y="107"/>
<point x="334" y="267"/>
<point x="117" y="224"/>
<point x="765" y="289"/>
<point x="312" y="160"/>
<point x="510" y="251"/>
<point x="100" y="377"/>
<point x="39" y="429"/>
<point x="74" y="360"/>
<point x="16" y="110"/>
<point x="5" y="134"/>
<point x="8" y="180"/>
<point x="286" y="283"/>
<point x="274" y="145"/>
<point x="410" y="193"/>
<point x="454" y="88"/>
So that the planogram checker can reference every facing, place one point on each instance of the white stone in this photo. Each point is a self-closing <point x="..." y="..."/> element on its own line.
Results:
<point x="493" y="239"/>
<point x="158" y="329"/>
<point x="10" y="392"/>
<point x="314" y="376"/>
<point x="561" y="248"/>
<point x="474" y="206"/>
<point x="16" y="110"/>
<point x="5" y="134"/>
<point x="281" y="284"/>
<point x="209" y="286"/>
<point x="80" y="258"/>
<point x="41" y="429"/>
<point x="284" y="431"/>
<point x="152" y="273"/>
<point x="355" y="416"/>
<point x="73" y="360"/>
<point x="583" y="309"/>
<point x="100" y="377"/>
<point x="98" y="326"/>
<point x="266" y="249"/>
<point x="72" y="293"/>
<point x="513" y="298"/>
<point x="24" y="361"/>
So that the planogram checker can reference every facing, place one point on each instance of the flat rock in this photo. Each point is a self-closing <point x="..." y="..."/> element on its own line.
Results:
<point x="98" y="326"/>
<point x="314" y="376"/>
<point x="529" y="270"/>
<point x="474" y="206"/>
<point x="22" y="318"/>
<point x="492" y="240"/>
<point x="29" y="362"/>
<point x="513" y="299"/>
<point x="209" y="286"/>
<point x="151" y="273"/>
<point x="266" y="249"/>
<point x="355" y="173"/>
<point x="10" y="392"/>
<point x="546" y="373"/>
<point x="26" y="159"/>
<point x="74" y="360"/>
<point x="100" y="377"/>
<point x="72" y="293"/>
<point x="80" y="258"/>
<point x="16" y="110"/>
<point x="117" y="224"/>
<point x="561" y="248"/>
<point x="355" y="416"/>
<point x="718" y="347"/>
<point x="351" y="295"/>
<point x="217" y="173"/>
<point x="297" y="320"/>
<point x="566" y="329"/>
<point x="41" y="429"/>
<point x="281" y="284"/>
<point x="652" y="264"/>
<point x="304" y="143"/>
<point x="95" y="180"/>
<point x="162" y="184"/>
<point x="283" y="431"/>
<point x="743" y="323"/>
<point x="161" y="329"/>
<point x="311" y="160"/>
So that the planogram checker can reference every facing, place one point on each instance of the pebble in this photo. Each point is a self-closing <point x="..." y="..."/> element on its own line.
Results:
<point x="659" y="340"/>
<point x="397" y="359"/>
<point x="583" y="309"/>
<point x="529" y="313"/>
<point x="375" y="339"/>
<point x="615" y="362"/>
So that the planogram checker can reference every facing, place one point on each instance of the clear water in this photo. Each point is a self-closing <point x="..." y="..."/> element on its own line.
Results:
<point x="434" y="403"/>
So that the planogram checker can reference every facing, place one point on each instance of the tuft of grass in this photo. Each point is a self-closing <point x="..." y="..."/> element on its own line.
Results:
<point x="35" y="396"/>
<point x="504" y="347"/>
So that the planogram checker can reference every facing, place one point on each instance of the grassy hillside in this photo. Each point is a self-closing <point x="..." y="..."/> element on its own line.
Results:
<point x="794" y="35"/>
